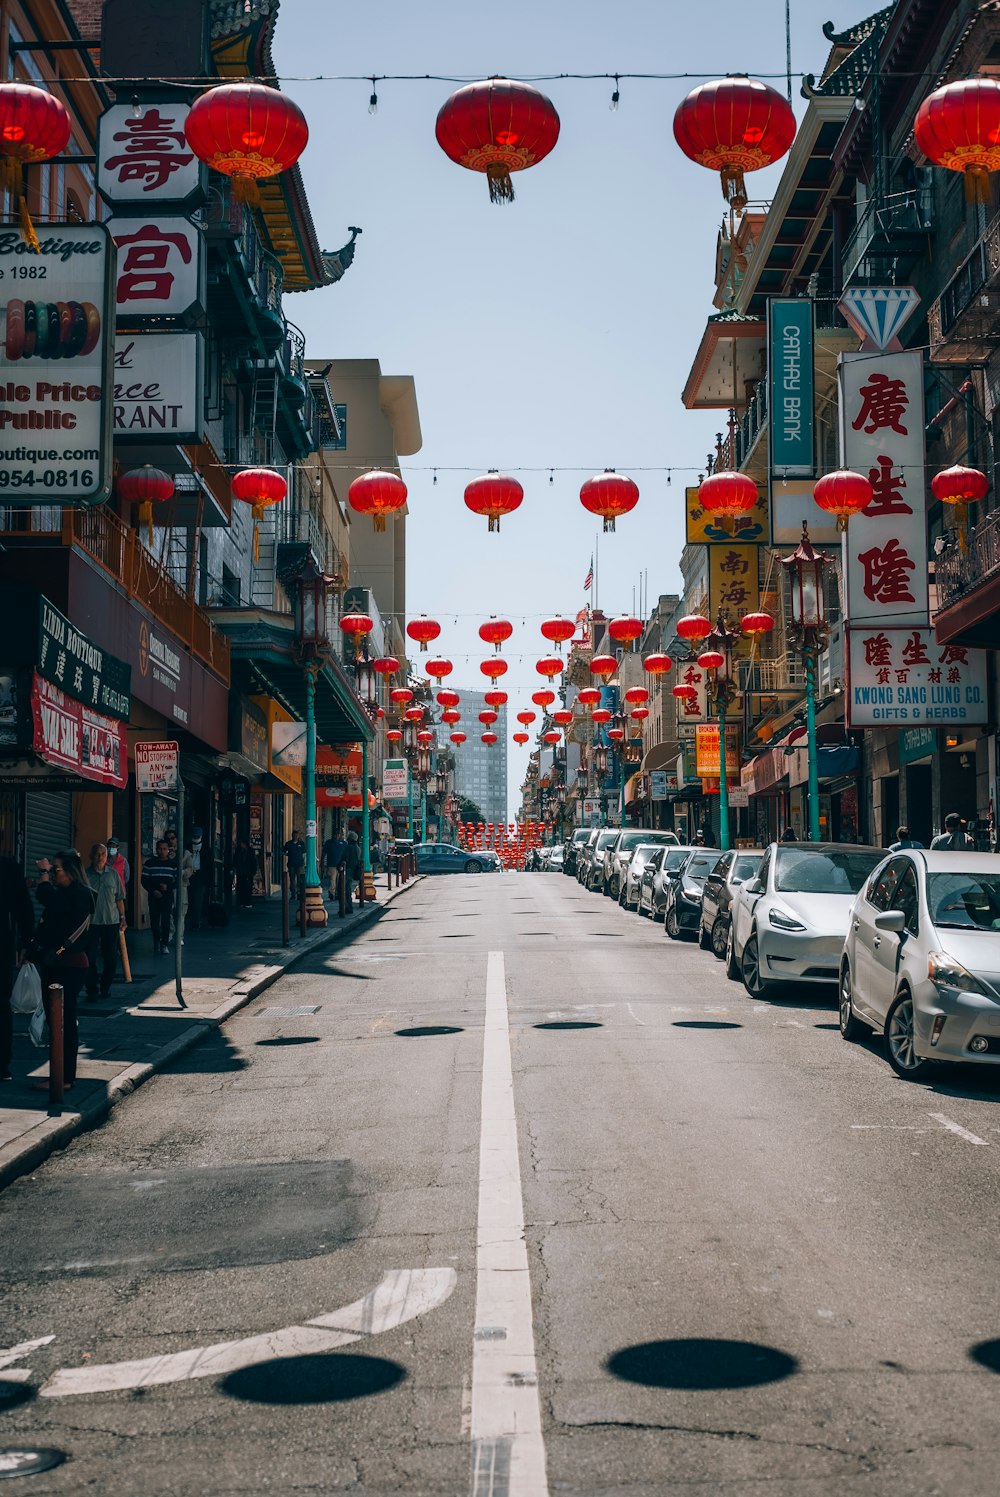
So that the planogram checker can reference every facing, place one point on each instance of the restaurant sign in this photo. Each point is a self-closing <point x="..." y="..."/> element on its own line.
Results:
<point x="84" y="671"/>
<point x="901" y="677"/>
<point x="73" y="737"/>
<point x="55" y="366"/>
<point x="158" y="387"/>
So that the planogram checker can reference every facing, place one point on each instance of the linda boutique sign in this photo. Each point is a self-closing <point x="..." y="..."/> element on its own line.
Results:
<point x="56" y="325"/>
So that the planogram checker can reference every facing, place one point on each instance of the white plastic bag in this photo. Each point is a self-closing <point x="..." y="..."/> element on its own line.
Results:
<point x="38" y="1028"/>
<point x="26" y="994"/>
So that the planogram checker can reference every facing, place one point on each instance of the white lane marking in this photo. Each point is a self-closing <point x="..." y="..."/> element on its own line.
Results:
<point x="402" y="1295"/>
<point x="15" y="1353"/>
<point x="970" y="1138"/>
<point x="635" y="1015"/>
<point x="508" y="1452"/>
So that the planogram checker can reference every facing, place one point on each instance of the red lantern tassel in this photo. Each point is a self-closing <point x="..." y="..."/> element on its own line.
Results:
<point x="12" y="181"/>
<point x="495" y="525"/>
<point x="378" y="520"/>
<point x="501" y="186"/>
<point x="734" y="188"/>
<point x="977" y="184"/>
<point x="146" y="518"/>
<point x="609" y="523"/>
<point x="258" y="511"/>
<point x="961" y="517"/>
<point x="245" y="190"/>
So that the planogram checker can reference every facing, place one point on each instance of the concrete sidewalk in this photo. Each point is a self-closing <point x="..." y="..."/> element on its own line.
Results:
<point x="140" y="1029"/>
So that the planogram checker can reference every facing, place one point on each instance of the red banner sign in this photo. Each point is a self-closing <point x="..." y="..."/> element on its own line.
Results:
<point x="338" y="778"/>
<point x="73" y="737"/>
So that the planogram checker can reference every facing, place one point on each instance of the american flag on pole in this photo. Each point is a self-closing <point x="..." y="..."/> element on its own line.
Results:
<point x="588" y="581"/>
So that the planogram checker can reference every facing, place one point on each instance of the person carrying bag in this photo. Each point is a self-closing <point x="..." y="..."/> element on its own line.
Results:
<point x="60" y="944"/>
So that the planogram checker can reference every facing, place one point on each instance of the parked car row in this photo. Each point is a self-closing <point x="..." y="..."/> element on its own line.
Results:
<point x="909" y="941"/>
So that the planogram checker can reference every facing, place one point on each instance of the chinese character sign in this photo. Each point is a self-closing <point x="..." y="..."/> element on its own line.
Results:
<point x="145" y="157"/>
<point x="159" y="272"/>
<point x="707" y="529"/>
<point x="882" y="436"/>
<point x="732" y="581"/>
<point x="904" y="677"/>
<point x="706" y="749"/>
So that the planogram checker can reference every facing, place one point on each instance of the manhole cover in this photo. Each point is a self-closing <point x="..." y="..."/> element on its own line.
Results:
<point x="28" y="1462"/>
<point x="293" y="1011"/>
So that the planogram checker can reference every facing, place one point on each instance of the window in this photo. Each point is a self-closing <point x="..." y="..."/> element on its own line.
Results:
<point x="883" y="882"/>
<point x="229" y="594"/>
<point x="802" y="871"/>
<point x="907" y="899"/>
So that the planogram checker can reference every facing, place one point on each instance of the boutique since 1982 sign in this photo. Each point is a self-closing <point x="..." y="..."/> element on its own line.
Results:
<point x="56" y="330"/>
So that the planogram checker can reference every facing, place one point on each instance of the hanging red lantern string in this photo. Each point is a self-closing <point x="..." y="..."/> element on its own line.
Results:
<point x="657" y="664"/>
<point x="493" y="668"/>
<point x="732" y="126"/>
<point x="693" y="626"/>
<point x="843" y="494"/>
<point x="609" y="494"/>
<point x="757" y="624"/>
<point x="637" y="696"/>
<point x="551" y="735"/>
<point x="616" y="734"/>
<point x="603" y="666"/>
<point x="495" y="631"/>
<point x="521" y="738"/>
<point x="401" y="695"/>
<point x="684" y="693"/>
<point x="727" y="495"/>
<point x="494" y="495"/>
<point x="960" y="487"/>
<point x="498" y="126"/>
<point x="558" y="629"/>
<point x="385" y="665"/>
<point x="625" y="631"/>
<point x="258" y="487"/>
<point x="526" y="717"/>
<point x="638" y="714"/>
<point x="439" y="668"/>
<point x="146" y="486"/>
<point x="489" y="738"/>
<point x="447" y="697"/>
<point x="414" y="714"/>
<point x="426" y="738"/>
<point x="487" y="717"/>
<point x="451" y="715"/>
<point x="458" y="737"/>
<point x="563" y="716"/>
<point x="589" y="696"/>
<point x="601" y="715"/>
<point x="711" y="660"/>
<point x="246" y="131"/>
<point x="34" y="126"/>
<point x="550" y="666"/>
<point x="423" y="630"/>
<point x="356" y="626"/>
<point x="958" y="127"/>
<point x="394" y="735"/>
<point x="495" y="698"/>
<point x="377" y="494"/>
<point x="543" y="698"/>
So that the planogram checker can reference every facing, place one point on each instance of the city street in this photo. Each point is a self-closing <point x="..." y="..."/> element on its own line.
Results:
<point x="293" y="1262"/>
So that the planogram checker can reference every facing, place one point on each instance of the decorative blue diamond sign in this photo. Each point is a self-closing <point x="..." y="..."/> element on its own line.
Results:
<point x="878" y="314"/>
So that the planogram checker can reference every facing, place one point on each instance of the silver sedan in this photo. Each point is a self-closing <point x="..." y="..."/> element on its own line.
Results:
<point x="921" y="961"/>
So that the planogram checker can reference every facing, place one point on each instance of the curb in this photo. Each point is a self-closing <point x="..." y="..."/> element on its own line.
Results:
<point x="24" y="1155"/>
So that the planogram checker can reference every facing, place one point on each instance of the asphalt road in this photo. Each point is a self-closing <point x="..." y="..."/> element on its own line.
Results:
<point x="755" y="1260"/>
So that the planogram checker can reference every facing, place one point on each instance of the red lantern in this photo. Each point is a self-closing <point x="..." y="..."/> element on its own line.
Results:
<point x="843" y="494"/>
<point x="489" y="738"/>
<point x="638" y="714"/>
<point x="458" y="737"/>
<point x="495" y="698"/>
<point x="439" y="668"/>
<point x="543" y="698"/>
<point x="637" y="695"/>
<point x="258" y="487"/>
<point x="616" y="734"/>
<point x="657" y="664"/>
<point x="609" y="494"/>
<point x="727" y="495"/>
<point x="385" y="665"/>
<point x="493" y="668"/>
<point x="563" y="717"/>
<point x="488" y="717"/>
<point x="756" y="624"/>
<point x="601" y="715"/>
<point x="558" y="630"/>
<point x="603" y="666"/>
<point x="426" y="738"/>
<point x="394" y="735"/>
<point x="447" y="698"/>
<point x="497" y="127"/>
<point x="356" y="626"/>
<point x="711" y="660"/>
<point x="144" y="486"/>
<point x="693" y="626"/>
<point x="521" y="738"/>
<point x="414" y="714"/>
<point x="400" y="694"/>
<point x="34" y="126"/>
<point x="625" y="631"/>
<point x="377" y="494"/>
<point x="423" y="630"/>
<point x="549" y="667"/>
<point x="495" y="631"/>
<point x="589" y="696"/>
<point x="684" y="693"/>
<point x="551" y="735"/>
<point x="246" y="131"/>
<point x="526" y="717"/>
<point x="494" y="495"/>
<point x="960" y="487"/>
<point x="734" y="125"/>
<point x="958" y="127"/>
<point x="451" y="715"/>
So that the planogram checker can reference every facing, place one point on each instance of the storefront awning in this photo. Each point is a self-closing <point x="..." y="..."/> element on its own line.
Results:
<point x="264" y="662"/>
<point x="659" y="756"/>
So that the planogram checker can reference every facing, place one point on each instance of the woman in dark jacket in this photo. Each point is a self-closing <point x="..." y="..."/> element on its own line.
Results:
<point x="61" y="940"/>
<point x="17" y="922"/>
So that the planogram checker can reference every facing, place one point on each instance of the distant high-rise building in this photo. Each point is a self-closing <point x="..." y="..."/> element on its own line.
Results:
<point x="481" y="768"/>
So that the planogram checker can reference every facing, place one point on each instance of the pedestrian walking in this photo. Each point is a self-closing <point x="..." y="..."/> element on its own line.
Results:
<point x="903" y="839"/>
<point x="245" y="868"/>
<point x="699" y="838"/>
<point x="17" y="925"/>
<point x="199" y="878"/>
<point x="108" y="920"/>
<point x="295" y="861"/>
<point x="952" y="839"/>
<point x="60" y="944"/>
<point x="159" y="879"/>
<point x="118" y="861"/>
<point x="355" y="868"/>
<point x="334" y="853"/>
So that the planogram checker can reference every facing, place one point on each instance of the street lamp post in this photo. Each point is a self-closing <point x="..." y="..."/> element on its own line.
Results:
<point x="804" y="569"/>
<point x="368" y="692"/>
<point x="309" y="587"/>
<point x="716" y="659"/>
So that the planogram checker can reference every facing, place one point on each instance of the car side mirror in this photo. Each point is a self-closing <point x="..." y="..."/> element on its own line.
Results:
<point x="755" y="887"/>
<point x="737" y="882"/>
<point x="893" y="921"/>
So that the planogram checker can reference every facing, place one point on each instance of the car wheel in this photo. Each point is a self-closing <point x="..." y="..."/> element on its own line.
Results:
<point x="719" y="939"/>
<point x="732" y="965"/>
<point x="471" y="866"/>
<point x="704" y="941"/>
<point x="621" y="898"/>
<point x="672" y="925"/>
<point x="750" y="969"/>
<point x="851" y="1027"/>
<point x="900" y="1049"/>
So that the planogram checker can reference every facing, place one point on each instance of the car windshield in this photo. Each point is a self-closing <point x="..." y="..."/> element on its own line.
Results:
<point x="746" y="865"/>
<point x="605" y="840"/>
<point x="964" y="901"/>
<point x="675" y="858"/>
<point x="700" y="866"/>
<point x="801" y="870"/>
<point x="630" y="840"/>
<point x="582" y="836"/>
<point x="643" y="853"/>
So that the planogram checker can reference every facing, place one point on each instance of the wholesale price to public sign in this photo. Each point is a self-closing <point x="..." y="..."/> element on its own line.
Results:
<point x="882" y="436"/>
<point x="902" y="677"/>
<point x="791" y="402"/>
<point x="57" y="312"/>
<point x="71" y="736"/>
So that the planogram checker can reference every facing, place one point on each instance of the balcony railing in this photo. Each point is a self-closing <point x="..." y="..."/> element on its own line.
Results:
<point x="963" y="294"/>
<point x="784" y="673"/>
<point x="740" y="442"/>
<point x="225" y="217"/>
<point x="959" y="572"/>
<point x="119" y="552"/>
<point x="891" y="229"/>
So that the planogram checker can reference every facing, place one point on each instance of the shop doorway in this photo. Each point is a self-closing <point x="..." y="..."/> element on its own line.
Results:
<point x="890" y="810"/>
<point x="919" y="815"/>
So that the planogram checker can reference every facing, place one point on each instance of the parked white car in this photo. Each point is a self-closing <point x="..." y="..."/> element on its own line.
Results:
<point x="921" y="961"/>
<point x="789" y="922"/>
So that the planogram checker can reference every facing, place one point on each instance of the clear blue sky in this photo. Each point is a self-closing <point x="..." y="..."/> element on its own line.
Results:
<point x="554" y="332"/>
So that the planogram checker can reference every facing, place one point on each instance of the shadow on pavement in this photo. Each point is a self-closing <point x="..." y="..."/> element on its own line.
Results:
<point x="570" y="1024"/>
<point x="701" y="1363"/>
<point x="429" y="1029"/>
<point x="313" y="1379"/>
<point x="704" y="1024"/>
<point x="291" y="1039"/>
